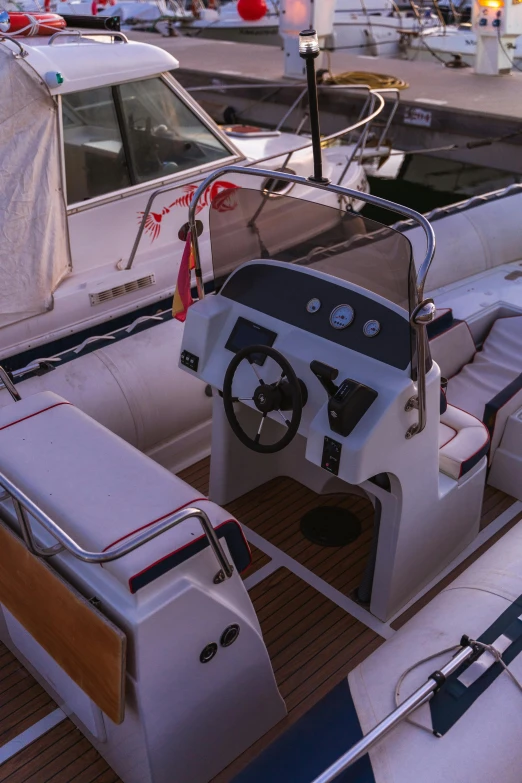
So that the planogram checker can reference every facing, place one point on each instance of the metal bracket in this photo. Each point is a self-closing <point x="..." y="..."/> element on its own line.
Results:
<point x="9" y="385"/>
<point x="412" y="404"/>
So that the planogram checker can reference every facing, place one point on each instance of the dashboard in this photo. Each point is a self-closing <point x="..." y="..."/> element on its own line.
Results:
<point x="321" y="307"/>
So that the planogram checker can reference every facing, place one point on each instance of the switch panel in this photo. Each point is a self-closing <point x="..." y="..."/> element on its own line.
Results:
<point x="331" y="455"/>
<point x="190" y="360"/>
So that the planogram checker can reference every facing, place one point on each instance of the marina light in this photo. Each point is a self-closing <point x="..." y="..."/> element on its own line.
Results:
<point x="308" y="43"/>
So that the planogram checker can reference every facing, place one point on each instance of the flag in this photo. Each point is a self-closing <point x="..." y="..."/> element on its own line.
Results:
<point x="182" y="297"/>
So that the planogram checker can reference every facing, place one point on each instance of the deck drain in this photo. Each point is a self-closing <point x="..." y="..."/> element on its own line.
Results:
<point x="330" y="526"/>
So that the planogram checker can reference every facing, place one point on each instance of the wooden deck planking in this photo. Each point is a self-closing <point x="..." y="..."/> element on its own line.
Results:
<point x="313" y="644"/>
<point x="23" y="701"/>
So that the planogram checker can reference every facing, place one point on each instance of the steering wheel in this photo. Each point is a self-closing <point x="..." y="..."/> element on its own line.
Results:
<point x="286" y="394"/>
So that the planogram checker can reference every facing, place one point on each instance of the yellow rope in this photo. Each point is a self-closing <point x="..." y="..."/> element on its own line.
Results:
<point x="376" y="81"/>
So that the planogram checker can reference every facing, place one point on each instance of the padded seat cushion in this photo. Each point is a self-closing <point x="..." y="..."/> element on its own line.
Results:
<point x="490" y="387"/>
<point x="463" y="442"/>
<point x="101" y="490"/>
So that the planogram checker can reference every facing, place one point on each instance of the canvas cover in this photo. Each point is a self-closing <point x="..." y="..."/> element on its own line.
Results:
<point x="34" y="251"/>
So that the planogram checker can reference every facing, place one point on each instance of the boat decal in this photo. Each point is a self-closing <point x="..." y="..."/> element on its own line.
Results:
<point x="218" y="194"/>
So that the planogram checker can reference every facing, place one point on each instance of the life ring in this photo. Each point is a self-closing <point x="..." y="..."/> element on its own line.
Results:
<point x="35" y="24"/>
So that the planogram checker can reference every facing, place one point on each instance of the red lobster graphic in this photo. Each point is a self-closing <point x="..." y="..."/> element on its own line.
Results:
<point x="218" y="194"/>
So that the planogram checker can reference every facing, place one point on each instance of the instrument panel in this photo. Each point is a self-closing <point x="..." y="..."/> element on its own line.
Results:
<point x="322" y="307"/>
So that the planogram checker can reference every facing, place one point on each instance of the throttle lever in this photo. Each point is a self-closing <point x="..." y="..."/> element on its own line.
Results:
<point x="326" y="376"/>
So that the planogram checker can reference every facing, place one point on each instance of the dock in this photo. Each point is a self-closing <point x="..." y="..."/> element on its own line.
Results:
<point x="440" y="107"/>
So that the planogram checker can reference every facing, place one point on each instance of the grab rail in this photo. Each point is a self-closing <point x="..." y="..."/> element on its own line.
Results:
<point x="422" y="313"/>
<point x="6" y="37"/>
<point x="416" y="700"/>
<point x="79" y="34"/>
<point x="25" y="504"/>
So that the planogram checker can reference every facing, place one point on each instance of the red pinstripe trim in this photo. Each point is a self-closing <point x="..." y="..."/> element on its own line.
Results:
<point x="144" y="527"/>
<point x="190" y="543"/>
<point x="452" y="437"/>
<point x="31" y="415"/>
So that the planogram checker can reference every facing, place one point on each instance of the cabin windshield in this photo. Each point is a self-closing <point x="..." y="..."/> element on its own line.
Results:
<point x="124" y="135"/>
<point x="245" y="224"/>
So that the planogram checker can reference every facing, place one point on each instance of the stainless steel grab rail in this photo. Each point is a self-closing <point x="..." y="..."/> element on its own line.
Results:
<point x="416" y="700"/>
<point x="114" y="553"/>
<point x="423" y="311"/>
<point x="79" y="34"/>
<point x="12" y="39"/>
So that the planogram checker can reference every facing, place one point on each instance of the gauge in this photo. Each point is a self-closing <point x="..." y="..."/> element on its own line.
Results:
<point x="342" y="316"/>
<point x="371" y="328"/>
<point x="313" y="305"/>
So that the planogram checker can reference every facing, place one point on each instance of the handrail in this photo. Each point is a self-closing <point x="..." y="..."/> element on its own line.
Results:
<point x="416" y="700"/>
<point x="6" y="37"/>
<point x="325" y="140"/>
<point x="79" y="34"/>
<point x="338" y="190"/>
<point x="422" y="311"/>
<point x="136" y="541"/>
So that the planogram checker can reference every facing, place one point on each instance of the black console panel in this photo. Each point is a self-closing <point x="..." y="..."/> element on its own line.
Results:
<point x="283" y="293"/>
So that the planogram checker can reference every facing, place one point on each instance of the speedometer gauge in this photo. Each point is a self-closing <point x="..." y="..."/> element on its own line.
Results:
<point x="342" y="316"/>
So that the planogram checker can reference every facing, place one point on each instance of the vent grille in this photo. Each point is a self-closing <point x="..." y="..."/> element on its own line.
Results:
<point x="121" y="290"/>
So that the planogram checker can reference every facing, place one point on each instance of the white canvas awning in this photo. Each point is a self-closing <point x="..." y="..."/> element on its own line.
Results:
<point x="34" y="251"/>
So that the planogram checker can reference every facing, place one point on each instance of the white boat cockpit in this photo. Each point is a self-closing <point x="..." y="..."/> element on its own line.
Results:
<point x="121" y="584"/>
<point x="315" y="348"/>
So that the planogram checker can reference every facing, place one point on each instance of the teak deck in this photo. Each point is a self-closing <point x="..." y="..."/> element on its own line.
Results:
<point x="313" y="643"/>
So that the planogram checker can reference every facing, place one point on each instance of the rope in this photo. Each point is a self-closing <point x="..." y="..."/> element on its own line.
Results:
<point x="490" y="648"/>
<point x="375" y="81"/>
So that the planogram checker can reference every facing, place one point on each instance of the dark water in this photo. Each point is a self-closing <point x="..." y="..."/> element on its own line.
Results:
<point x="425" y="182"/>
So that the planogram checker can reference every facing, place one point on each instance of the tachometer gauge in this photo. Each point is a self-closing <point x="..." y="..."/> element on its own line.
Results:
<point x="342" y="316"/>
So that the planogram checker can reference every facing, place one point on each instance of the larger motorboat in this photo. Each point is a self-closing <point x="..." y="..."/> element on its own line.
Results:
<point x="358" y="475"/>
<point x="99" y="169"/>
<point x="372" y="27"/>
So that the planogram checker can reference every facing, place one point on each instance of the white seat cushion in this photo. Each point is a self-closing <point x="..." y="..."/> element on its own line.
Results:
<point x="101" y="490"/>
<point x="463" y="442"/>
<point x="453" y="348"/>
<point x="479" y="387"/>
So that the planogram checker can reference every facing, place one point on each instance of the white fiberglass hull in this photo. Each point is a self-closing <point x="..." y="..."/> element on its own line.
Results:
<point x="461" y="43"/>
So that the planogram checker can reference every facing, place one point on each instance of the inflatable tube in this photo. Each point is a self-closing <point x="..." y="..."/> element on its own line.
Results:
<point x="135" y="388"/>
<point x="480" y="740"/>
<point x="35" y="24"/>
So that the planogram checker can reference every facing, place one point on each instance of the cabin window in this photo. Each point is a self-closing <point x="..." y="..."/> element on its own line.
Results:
<point x="165" y="136"/>
<point x="115" y="137"/>
<point x="95" y="162"/>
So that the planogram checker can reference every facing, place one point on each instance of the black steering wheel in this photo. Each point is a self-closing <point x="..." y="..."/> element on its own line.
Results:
<point x="286" y="394"/>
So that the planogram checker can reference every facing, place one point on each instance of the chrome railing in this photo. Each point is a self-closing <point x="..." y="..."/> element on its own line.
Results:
<point x="374" y="96"/>
<point x="79" y="34"/>
<point x="416" y="700"/>
<point x="423" y="311"/>
<point x="24" y="505"/>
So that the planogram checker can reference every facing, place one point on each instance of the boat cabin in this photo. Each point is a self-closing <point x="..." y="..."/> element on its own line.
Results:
<point x="104" y="150"/>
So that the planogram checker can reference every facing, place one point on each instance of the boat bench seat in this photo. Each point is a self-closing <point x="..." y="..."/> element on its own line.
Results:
<point x="100" y="490"/>
<point x="463" y="442"/>
<point x="490" y="386"/>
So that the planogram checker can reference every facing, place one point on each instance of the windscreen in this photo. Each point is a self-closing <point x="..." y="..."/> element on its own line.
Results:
<point x="307" y="233"/>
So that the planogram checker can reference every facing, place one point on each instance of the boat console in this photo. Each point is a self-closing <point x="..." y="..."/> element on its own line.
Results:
<point x="319" y="372"/>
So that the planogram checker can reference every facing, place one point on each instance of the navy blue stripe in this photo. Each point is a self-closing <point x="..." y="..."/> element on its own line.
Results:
<point x="72" y="341"/>
<point x="312" y="744"/>
<point x="441" y="324"/>
<point x="453" y="700"/>
<point x="493" y="406"/>
<point x="236" y="544"/>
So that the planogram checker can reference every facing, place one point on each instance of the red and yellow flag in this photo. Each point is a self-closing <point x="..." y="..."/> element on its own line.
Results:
<point x="182" y="297"/>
